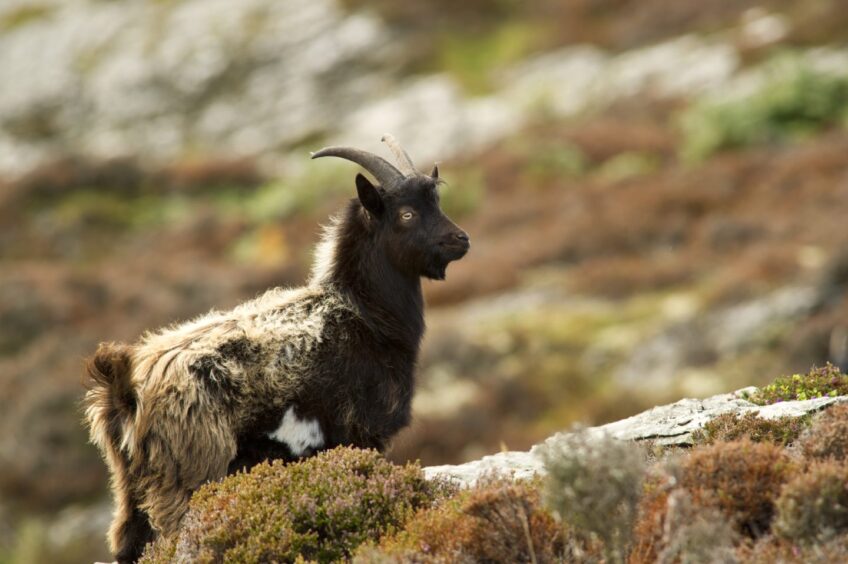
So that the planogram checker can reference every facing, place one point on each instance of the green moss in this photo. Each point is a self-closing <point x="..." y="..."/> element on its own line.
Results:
<point x="795" y="101"/>
<point x="30" y="541"/>
<point x="318" y="509"/>
<point x="554" y="162"/>
<point x="286" y="196"/>
<point x="782" y="431"/>
<point x="472" y="58"/>
<point x="627" y="165"/>
<point x="98" y="208"/>
<point x="23" y="15"/>
<point x="819" y="382"/>
<point x="463" y="191"/>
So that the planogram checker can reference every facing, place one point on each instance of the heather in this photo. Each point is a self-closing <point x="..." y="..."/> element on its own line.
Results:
<point x="319" y="509"/>
<point x="749" y="490"/>
<point x="495" y="521"/>
<point x="781" y="431"/>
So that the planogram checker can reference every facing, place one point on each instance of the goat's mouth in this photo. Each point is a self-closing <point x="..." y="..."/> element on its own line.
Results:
<point x="437" y="266"/>
<point x="454" y="250"/>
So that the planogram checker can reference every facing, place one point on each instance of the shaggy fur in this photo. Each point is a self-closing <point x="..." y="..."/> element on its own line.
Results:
<point x="332" y="363"/>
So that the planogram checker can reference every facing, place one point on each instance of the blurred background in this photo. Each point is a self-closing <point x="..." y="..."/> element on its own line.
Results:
<point x="657" y="194"/>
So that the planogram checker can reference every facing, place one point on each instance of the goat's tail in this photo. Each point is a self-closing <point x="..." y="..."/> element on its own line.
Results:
<point x="110" y="403"/>
<point x="110" y="406"/>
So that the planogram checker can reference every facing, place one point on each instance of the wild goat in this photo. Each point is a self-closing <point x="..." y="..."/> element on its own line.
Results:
<point x="284" y="375"/>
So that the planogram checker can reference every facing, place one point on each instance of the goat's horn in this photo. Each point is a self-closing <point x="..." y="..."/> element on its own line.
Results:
<point x="402" y="157"/>
<point x="386" y="174"/>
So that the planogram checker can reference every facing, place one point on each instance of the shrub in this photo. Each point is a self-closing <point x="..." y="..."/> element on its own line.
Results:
<point x="694" y="534"/>
<point x="818" y="382"/>
<point x="648" y="530"/>
<point x="828" y="437"/>
<point x="781" y="431"/>
<point x="594" y="482"/>
<point x="741" y="478"/>
<point x="673" y="528"/>
<point x="319" y="509"/>
<point x="796" y="100"/>
<point x="814" y="505"/>
<point x="496" y="521"/>
<point x="772" y="549"/>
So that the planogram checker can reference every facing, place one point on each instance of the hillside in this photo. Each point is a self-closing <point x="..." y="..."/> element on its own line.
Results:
<point x="656" y="199"/>
<point x="753" y="476"/>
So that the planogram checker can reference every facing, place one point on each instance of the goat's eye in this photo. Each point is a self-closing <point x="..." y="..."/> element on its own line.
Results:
<point x="406" y="216"/>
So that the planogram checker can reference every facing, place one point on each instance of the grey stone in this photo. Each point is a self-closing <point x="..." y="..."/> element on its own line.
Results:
<point x="667" y="425"/>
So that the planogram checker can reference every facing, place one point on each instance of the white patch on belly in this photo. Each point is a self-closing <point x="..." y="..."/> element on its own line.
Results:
<point x="298" y="434"/>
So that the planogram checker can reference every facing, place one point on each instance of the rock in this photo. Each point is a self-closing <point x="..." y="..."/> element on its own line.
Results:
<point x="666" y="425"/>
<point x="159" y="80"/>
<point x="154" y="79"/>
<point x="515" y="463"/>
<point x="657" y="362"/>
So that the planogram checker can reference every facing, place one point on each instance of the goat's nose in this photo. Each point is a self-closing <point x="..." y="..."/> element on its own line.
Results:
<point x="462" y="236"/>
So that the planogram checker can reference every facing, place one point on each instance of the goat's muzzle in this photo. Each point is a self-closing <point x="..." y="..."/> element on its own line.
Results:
<point x="456" y="245"/>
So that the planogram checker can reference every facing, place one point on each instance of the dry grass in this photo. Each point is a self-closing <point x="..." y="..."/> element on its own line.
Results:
<point x="782" y="431"/>
<point x="828" y="437"/>
<point x="496" y="521"/>
<point x="742" y="479"/>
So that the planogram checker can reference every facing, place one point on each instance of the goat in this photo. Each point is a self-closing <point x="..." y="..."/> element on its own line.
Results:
<point x="285" y="375"/>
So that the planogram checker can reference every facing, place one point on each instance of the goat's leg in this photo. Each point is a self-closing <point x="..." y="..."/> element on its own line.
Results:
<point x="130" y="530"/>
<point x="133" y="534"/>
<point x="170" y="479"/>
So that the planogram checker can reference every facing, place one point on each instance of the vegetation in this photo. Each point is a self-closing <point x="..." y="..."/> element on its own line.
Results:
<point x="814" y="505"/>
<point x="22" y="15"/>
<point x="495" y="521"/>
<point x="594" y="483"/>
<point x="782" y="431"/>
<point x="725" y="501"/>
<point x="695" y="534"/>
<point x="795" y="101"/>
<point x="595" y="208"/>
<point x="828" y="437"/>
<point x="819" y="382"/>
<point x="740" y="478"/>
<point x="319" y="509"/>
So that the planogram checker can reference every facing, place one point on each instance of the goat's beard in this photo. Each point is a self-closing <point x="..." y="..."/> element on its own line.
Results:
<point x="436" y="271"/>
<point x="436" y="268"/>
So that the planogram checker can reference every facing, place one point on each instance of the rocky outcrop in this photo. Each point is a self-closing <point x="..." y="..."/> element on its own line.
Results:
<point x="666" y="425"/>
<point x="161" y="80"/>
<point x="157" y="78"/>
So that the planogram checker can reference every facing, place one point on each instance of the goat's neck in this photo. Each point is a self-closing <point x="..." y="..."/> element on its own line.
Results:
<point x="390" y="302"/>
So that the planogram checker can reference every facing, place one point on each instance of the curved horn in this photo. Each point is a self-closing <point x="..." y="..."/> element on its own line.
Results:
<point x="383" y="171"/>
<point x="403" y="160"/>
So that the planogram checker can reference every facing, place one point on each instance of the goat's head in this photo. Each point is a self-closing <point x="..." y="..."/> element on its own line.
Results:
<point x="402" y="212"/>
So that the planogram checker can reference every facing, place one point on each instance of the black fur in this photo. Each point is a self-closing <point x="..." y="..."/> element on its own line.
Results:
<point x="360" y="389"/>
<point x="138" y="532"/>
<point x="360" y="383"/>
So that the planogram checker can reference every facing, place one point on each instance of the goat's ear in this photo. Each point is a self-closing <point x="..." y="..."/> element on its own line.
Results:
<point x="369" y="196"/>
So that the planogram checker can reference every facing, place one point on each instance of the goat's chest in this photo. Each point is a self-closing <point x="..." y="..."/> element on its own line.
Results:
<point x="301" y="434"/>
